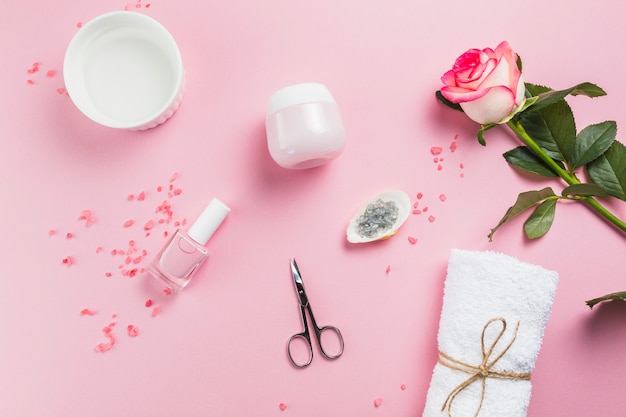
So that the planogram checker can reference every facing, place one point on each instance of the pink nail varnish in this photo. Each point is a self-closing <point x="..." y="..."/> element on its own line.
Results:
<point x="185" y="252"/>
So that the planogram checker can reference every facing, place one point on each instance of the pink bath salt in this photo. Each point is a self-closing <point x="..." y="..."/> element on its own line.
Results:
<point x="132" y="330"/>
<point x="68" y="261"/>
<point x="388" y="270"/>
<point x="61" y="90"/>
<point x="412" y="240"/>
<point x="177" y="191"/>
<point x="167" y="291"/>
<point x="69" y="235"/>
<point x="149" y="225"/>
<point x="156" y="311"/>
<point x="282" y="406"/>
<point x="148" y="303"/>
<point x="442" y="197"/>
<point x="128" y="223"/>
<point x="79" y="24"/>
<point x="141" y="196"/>
<point x="174" y="176"/>
<point x="453" y="146"/>
<point x="137" y="259"/>
<point x="378" y="401"/>
<point x="403" y="387"/>
<point x="108" y="274"/>
<point x="431" y="218"/>
<point x="51" y="73"/>
<point x="425" y="209"/>
<point x="130" y="197"/>
<point x="416" y="204"/>
<point x="159" y="189"/>
<point x="30" y="82"/>
<point x="461" y="165"/>
<point x="87" y="312"/>
<point x="148" y="5"/>
<point x="419" y="196"/>
<point x="439" y="167"/>
<point x="462" y="175"/>
<point x="52" y="232"/>
<point x="436" y="150"/>
<point x="417" y="211"/>
<point x="103" y="347"/>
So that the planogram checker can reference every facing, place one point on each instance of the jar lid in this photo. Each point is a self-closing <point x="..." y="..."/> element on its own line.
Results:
<point x="298" y="94"/>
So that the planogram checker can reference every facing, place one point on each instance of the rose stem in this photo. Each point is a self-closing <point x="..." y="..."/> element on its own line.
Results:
<point x="521" y="133"/>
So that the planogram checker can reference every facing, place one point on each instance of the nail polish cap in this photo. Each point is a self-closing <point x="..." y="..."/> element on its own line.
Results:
<point x="208" y="222"/>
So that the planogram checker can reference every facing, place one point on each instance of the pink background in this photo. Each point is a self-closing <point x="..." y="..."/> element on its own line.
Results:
<point x="219" y="348"/>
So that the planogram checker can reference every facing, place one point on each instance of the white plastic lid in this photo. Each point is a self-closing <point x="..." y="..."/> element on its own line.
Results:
<point x="208" y="222"/>
<point x="298" y="94"/>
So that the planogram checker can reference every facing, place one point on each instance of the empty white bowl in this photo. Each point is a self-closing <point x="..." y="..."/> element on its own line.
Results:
<point x="124" y="70"/>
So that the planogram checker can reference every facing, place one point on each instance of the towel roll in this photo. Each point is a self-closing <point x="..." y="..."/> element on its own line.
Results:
<point x="495" y="309"/>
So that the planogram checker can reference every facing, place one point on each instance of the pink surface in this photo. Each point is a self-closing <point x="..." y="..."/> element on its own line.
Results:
<point x="219" y="348"/>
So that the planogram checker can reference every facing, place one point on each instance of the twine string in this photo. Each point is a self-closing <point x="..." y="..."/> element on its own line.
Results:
<point x="484" y="370"/>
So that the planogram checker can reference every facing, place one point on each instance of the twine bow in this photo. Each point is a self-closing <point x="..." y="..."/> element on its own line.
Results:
<point x="482" y="371"/>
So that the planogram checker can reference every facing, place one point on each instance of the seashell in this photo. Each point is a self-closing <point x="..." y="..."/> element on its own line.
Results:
<point x="380" y="217"/>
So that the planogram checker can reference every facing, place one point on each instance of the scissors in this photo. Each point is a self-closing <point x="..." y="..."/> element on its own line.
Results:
<point x="305" y="335"/>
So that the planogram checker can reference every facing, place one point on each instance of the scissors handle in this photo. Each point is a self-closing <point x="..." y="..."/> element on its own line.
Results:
<point x="307" y="340"/>
<point x="327" y="330"/>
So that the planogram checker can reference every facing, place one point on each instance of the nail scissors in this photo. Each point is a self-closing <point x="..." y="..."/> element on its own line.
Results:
<point x="321" y="333"/>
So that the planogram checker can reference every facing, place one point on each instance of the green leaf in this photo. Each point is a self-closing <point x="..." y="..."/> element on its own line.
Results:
<point x="447" y="102"/>
<point x="541" y="220"/>
<point x="548" y="98"/>
<point x="524" y="201"/>
<point x="609" y="171"/>
<point x="553" y="129"/>
<point x="584" y="190"/>
<point x="523" y="158"/>
<point x="616" y="296"/>
<point x="592" y="142"/>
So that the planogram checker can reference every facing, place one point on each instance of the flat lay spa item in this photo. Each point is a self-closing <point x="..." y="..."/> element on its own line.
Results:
<point x="379" y="218"/>
<point x="124" y="70"/>
<point x="185" y="252"/>
<point x="495" y="309"/>
<point x="303" y="125"/>
<point x="329" y="338"/>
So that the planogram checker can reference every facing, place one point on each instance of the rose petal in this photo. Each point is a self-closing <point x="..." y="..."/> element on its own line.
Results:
<point x="493" y="107"/>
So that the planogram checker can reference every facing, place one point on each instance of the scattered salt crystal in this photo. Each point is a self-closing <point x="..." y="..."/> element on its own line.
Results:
<point x="282" y="406"/>
<point x="87" y="312"/>
<point x="431" y="218"/>
<point x="439" y="167"/>
<point x="156" y="311"/>
<point x="103" y="347"/>
<point x="174" y="177"/>
<point x="69" y="235"/>
<point x="378" y="401"/>
<point x="425" y="209"/>
<point x="129" y="223"/>
<point x="419" y="196"/>
<point x="99" y="249"/>
<point x="148" y="303"/>
<point x="68" y="261"/>
<point x="416" y="211"/>
<point x="453" y="146"/>
<point x="442" y="197"/>
<point x="130" y="197"/>
<point x="149" y="225"/>
<point x="51" y="73"/>
<point x="412" y="240"/>
<point x="403" y="387"/>
<point x="436" y="150"/>
<point x="52" y="232"/>
<point x="141" y="196"/>
<point x="61" y="90"/>
<point x="132" y="330"/>
<point x="388" y="269"/>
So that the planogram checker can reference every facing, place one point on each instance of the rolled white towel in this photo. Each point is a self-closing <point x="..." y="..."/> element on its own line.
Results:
<point x="495" y="309"/>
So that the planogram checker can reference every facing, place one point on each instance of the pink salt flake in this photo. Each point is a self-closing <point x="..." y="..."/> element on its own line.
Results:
<point x="416" y="204"/>
<point x="417" y="211"/>
<point x="167" y="291"/>
<point x="412" y="240"/>
<point x="69" y="235"/>
<point x="103" y="347"/>
<point x="174" y="176"/>
<point x="132" y="330"/>
<point x="149" y="225"/>
<point x="388" y="270"/>
<point x="30" y="82"/>
<point x="52" y="232"/>
<point x="156" y="311"/>
<point x="87" y="312"/>
<point x="68" y="261"/>
<point x="148" y="302"/>
<point x="461" y="165"/>
<point x="442" y="197"/>
<point x="128" y="223"/>
<point x="378" y="401"/>
<point x="282" y="406"/>
<point x="436" y="150"/>
<point x="51" y="73"/>
<point x="159" y="189"/>
<point x="99" y="249"/>
<point x="439" y="167"/>
<point x="79" y="24"/>
<point x="61" y="90"/>
<point x="425" y="209"/>
<point x="419" y="196"/>
<point x="403" y="387"/>
<point x="108" y="274"/>
<point x="453" y="146"/>
<point x="130" y="197"/>
<point x="141" y="196"/>
<point x="431" y="218"/>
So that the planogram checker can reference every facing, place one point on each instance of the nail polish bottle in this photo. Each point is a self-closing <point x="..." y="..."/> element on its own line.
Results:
<point x="185" y="252"/>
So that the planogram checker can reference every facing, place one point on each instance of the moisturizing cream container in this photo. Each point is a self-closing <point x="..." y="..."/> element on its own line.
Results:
<point x="303" y="126"/>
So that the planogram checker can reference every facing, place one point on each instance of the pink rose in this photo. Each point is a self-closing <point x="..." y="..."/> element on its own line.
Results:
<point x="486" y="84"/>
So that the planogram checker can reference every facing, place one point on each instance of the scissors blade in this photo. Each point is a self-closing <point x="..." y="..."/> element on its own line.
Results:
<point x="299" y="284"/>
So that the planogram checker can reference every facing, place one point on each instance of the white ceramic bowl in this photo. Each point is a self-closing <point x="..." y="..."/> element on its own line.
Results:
<point x="124" y="70"/>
